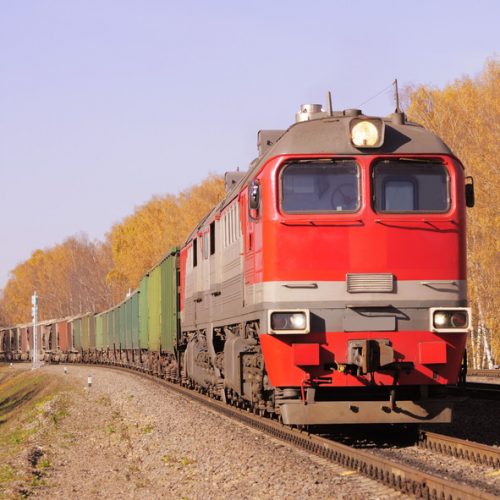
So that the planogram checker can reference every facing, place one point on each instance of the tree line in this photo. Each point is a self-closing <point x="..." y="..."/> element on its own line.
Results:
<point x="466" y="115"/>
<point x="79" y="275"/>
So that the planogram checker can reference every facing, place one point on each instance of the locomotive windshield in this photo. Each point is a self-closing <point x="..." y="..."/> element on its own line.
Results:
<point x="404" y="186"/>
<point x="308" y="187"/>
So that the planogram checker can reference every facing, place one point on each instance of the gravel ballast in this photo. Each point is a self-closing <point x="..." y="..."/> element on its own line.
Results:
<point x="128" y="437"/>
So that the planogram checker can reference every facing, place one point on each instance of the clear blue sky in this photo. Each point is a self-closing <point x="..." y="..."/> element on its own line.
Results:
<point x="104" y="103"/>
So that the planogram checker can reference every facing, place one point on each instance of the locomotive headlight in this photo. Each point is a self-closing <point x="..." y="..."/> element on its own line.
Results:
<point x="295" y="321"/>
<point x="459" y="319"/>
<point x="441" y="319"/>
<point x="367" y="133"/>
<point x="450" y="319"/>
<point x="298" y="321"/>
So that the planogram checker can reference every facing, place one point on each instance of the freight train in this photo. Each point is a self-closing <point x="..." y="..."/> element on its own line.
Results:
<point x="327" y="287"/>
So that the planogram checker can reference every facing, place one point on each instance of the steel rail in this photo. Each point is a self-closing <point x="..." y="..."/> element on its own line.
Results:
<point x="478" y="390"/>
<point x="460" y="448"/>
<point x="408" y="480"/>
<point x="484" y="373"/>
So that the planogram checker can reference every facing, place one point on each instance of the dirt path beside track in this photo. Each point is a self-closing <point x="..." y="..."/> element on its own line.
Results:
<point x="127" y="437"/>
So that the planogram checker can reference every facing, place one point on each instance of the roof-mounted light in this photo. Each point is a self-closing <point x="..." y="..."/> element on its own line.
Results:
<point x="367" y="132"/>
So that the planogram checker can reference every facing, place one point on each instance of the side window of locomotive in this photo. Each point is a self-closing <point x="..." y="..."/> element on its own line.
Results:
<point x="212" y="238"/>
<point x="320" y="187"/>
<point x="195" y="251"/>
<point x="405" y="187"/>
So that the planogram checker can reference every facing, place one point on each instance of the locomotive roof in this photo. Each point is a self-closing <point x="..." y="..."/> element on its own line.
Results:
<point x="331" y="136"/>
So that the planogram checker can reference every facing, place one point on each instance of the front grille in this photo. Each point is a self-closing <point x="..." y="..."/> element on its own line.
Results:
<point x="357" y="283"/>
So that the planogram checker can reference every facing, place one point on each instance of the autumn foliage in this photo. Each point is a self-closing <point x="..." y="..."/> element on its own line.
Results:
<point x="466" y="115"/>
<point x="70" y="278"/>
<point x="79" y="276"/>
<point x="144" y="237"/>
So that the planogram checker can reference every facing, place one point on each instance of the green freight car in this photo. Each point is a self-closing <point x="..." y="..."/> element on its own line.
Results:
<point x="159" y="314"/>
<point x="143" y="329"/>
<point x="143" y="313"/>
<point x="99" y="332"/>
<point x="84" y="335"/>
<point x="134" y="320"/>
<point x="159" y="299"/>
<point x="170" y="321"/>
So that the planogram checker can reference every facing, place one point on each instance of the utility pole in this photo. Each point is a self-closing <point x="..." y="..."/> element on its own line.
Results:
<point x="34" y="312"/>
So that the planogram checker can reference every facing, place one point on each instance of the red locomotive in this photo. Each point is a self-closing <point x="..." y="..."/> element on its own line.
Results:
<point x="329" y="286"/>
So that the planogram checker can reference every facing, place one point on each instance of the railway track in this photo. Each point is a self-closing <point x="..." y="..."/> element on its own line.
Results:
<point x="480" y="390"/>
<point x="403" y="478"/>
<point x="460" y="448"/>
<point x="477" y="390"/>
<point x="484" y="373"/>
